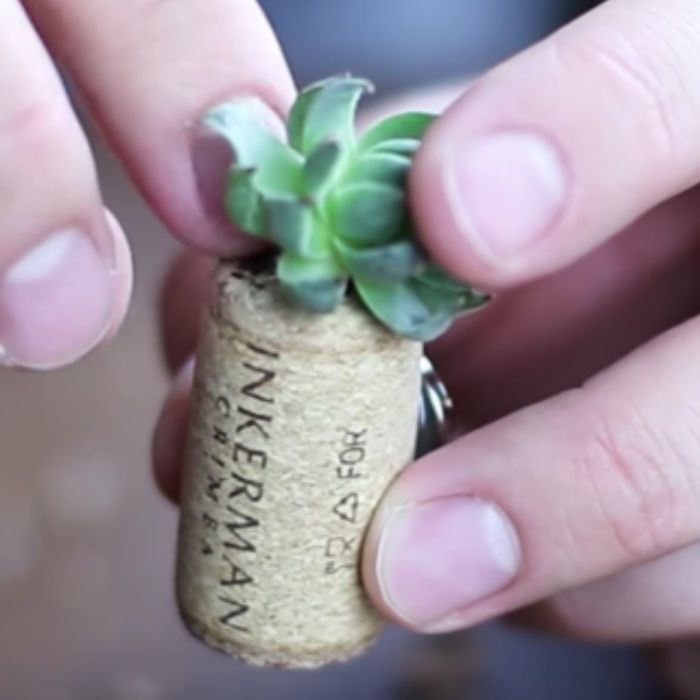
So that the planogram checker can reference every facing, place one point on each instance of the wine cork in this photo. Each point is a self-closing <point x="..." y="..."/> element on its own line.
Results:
<point x="299" y="423"/>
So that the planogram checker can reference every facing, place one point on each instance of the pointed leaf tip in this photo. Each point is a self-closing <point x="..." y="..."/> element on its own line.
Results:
<point x="409" y="126"/>
<point x="326" y="111"/>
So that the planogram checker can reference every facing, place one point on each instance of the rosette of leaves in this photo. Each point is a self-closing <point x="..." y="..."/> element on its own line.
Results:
<point x="335" y="205"/>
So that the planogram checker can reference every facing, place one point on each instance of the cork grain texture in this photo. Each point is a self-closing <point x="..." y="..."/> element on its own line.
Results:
<point x="299" y="424"/>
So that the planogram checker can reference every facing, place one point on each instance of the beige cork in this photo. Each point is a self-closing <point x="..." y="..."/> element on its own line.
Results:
<point x="300" y="422"/>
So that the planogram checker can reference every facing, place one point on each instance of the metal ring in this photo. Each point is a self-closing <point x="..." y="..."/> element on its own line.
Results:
<point x="434" y="419"/>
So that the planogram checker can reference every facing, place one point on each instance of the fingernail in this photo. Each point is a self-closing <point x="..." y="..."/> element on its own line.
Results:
<point x="439" y="557"/>
<point x="55" y="302"/>
<point x="506" y="190"/>
<point x="212" y="158"/>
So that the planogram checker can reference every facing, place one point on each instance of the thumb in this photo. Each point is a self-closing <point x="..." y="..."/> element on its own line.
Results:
<point x="552" y="153"/>
<point x="550" y="498"/>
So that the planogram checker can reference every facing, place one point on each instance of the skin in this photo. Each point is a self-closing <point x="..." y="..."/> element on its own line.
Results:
<point x="564" y="180"/>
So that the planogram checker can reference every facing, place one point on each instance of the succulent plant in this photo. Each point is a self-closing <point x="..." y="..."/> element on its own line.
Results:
<point x="335" y="204"/>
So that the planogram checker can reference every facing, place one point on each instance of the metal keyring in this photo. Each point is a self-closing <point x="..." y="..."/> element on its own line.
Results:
<point x="434" y="419"/>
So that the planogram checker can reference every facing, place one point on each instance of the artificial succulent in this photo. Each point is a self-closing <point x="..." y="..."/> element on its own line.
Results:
<point x="335" y="205"/>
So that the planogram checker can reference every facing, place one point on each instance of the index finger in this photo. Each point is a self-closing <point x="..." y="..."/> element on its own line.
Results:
<point x="150" y="71"/>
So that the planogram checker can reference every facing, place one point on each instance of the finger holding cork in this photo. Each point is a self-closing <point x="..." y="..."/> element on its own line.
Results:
<point x="307" y="384"/>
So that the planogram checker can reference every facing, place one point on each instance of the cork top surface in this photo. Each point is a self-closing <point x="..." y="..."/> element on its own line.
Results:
<point x="247" y="294"/>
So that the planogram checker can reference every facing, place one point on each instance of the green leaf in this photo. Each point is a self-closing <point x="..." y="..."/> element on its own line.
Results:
<point x="402" y="308"/>
<point x="388" y="168"/>
<point x="243" y="203"/>
<point x="317" y="286"/>
<point x="321" y="166"/>
<point x="420" y="308"/>
<point x="298" y="113"/>
<point x="326" y="111"/>
<point x="278" y="169"/>
<point x="290" y="224"/>
<point x="394" y="262"/>
<point x="367" y="213"/>
<point x="410" y="125"/>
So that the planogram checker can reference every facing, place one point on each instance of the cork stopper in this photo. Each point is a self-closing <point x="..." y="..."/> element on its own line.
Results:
<point x="300" y="422"/>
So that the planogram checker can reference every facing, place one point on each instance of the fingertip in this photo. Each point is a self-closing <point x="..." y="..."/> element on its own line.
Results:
<point x="64" y="296"/>
<point x="211" y="158"/>
<point x="557" y="150"/>
<point x="224" y="50"/>
<point x="175" y="194"/>
<point x="429" y="559"/>
<point x="484" y="195"/>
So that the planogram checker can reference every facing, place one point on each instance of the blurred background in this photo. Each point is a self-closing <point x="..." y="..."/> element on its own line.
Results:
<point x="87" y="544"/>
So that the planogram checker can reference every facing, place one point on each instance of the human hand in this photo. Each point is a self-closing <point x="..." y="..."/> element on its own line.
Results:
<point x="564" y="180"/>
<point x="148" y="71"/>
<point x="583" y="504"/>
